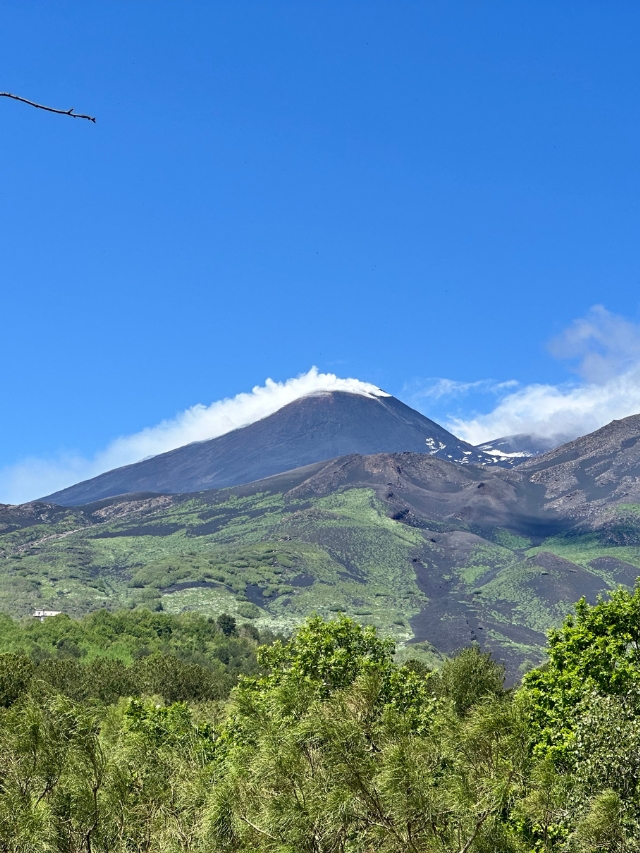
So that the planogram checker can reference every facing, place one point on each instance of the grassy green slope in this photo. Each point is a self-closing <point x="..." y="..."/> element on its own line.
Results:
<point x="533" y="588"/>
<point x="272" y="559"/>
<point x="249" y="556"/>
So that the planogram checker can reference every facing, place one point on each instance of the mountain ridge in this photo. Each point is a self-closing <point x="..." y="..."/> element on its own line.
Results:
<point x="317" y="427"/>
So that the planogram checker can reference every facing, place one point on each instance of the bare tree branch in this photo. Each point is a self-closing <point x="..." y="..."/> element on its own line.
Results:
<point x="48" y="109"/>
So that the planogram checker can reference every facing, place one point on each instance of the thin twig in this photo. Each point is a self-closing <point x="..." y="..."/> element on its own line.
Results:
<point x="476" y="830"/>
<point x="257" y="828"/>
<point x="48" y="109"/>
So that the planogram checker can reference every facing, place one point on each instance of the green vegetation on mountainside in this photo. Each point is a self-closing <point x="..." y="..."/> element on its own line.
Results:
<point x="251" y="557"/>
<point x="272" y="559"/>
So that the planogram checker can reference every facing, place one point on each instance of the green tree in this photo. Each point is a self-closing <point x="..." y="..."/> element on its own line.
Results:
<point x="598" y="650"/>
<point x="468" y="677"/>
<point x="584" y="708"/>
<point x="159" y="778"/>
<point x="601" y="829"/>
<point x="338" y="749"/>
<point x="227" y="625"/>
<point x="38" y="796"/>
<point x="177" y="681"/>
<point x="16" y="672"/>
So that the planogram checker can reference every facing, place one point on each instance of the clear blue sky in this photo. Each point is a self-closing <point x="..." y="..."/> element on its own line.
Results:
<point x="387" y="190"/>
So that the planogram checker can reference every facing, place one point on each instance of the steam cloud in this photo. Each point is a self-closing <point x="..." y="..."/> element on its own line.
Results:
<point x="33" y="478"/>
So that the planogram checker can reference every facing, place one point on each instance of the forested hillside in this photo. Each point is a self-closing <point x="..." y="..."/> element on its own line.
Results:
<point x="108" y="655"/>
<point x="116" y="734"/>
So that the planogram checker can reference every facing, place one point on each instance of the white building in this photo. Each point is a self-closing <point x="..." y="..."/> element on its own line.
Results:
<point x="42" y="614"/>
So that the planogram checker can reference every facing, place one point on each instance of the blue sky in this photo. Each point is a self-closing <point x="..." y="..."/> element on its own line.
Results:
<point x="401" y="192"/>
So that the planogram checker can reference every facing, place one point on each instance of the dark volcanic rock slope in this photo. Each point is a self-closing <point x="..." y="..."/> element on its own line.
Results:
<point x="583" y="477"/>
<point x="311" y="429"/>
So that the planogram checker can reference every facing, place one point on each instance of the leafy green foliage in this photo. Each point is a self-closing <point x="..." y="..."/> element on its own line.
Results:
<point x="74" y="780"/>
<point x="584" y="711"/>
<point x="329" y="655"/>
<point x="336" y="747"/>
<point x="122" y="739"/>
<point x="16" y="672"/>
<point x="106" y="656"/>
<point x="597" y="651"/>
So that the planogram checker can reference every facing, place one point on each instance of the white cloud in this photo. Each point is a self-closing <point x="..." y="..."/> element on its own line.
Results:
<point x="437" y="389"/>
<point x="33" y="478"/>
<point x="606" y="345"/>
<point x="561" y="412"/>
<point x="606" y="348"/>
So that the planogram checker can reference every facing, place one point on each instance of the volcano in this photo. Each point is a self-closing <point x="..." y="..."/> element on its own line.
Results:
<point x="314" y="428"/>
<point x="429" y="550"/>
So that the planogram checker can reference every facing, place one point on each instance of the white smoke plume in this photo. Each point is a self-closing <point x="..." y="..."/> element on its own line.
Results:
<point x="33" y="478"/>
<point x="605" y="349"/>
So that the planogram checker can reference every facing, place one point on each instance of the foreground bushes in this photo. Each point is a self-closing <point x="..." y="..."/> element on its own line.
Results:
<point x="329" y="747"/>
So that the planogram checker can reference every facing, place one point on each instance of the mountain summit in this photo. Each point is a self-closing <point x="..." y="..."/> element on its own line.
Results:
<point x="311" y="429"/>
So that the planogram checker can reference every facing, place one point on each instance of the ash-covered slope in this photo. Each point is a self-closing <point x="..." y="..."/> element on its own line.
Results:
<point x="311" y="429"/>
<point x="596" y="470"/>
